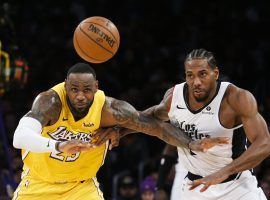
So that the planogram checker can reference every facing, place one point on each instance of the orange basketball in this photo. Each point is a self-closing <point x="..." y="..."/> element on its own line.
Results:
<point x="96" y="39"/>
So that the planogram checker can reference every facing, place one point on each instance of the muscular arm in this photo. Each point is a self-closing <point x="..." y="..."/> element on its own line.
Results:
<point x="159" y="112"/>
<point x="121" y="113"/>
<point x="45" y="109"/>
<point x="255" y="128"/>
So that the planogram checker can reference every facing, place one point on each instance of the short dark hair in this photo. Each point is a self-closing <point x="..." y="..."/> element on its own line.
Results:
<point x="81" y="68"/>
<point x="203" y="54"/>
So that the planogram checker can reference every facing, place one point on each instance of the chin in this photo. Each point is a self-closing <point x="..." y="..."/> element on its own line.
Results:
<point x="201" y="98"/>
<point x="81" y="110"/>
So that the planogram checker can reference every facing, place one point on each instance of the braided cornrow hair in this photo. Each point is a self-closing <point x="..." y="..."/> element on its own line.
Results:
<point x="202" y="54"/>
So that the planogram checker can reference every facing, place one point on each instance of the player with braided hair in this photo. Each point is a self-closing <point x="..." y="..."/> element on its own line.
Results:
<point x="204" y="107"/>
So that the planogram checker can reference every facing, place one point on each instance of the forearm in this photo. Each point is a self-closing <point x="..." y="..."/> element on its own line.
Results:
<point x="252" y="157"/>
<point x="27" y="136"/>
<point x="126" y="116"/>
<point x="164" y="131"/>
<point x="125" y="131"/>
<point x="173" y="136"/>
<point x="149" y="111"/>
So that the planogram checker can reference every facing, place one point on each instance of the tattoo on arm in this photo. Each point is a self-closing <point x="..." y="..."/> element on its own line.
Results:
<point x="127" y="116"/>
<point x="46" y="108"/>
<point x="159" y="112"/>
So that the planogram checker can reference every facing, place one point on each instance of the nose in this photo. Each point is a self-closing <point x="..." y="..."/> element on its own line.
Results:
<point x="197" y="81"/>
<point x="80" y="96"/>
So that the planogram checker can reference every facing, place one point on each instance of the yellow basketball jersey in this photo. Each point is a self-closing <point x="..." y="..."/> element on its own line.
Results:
<point x="63" y="167"/>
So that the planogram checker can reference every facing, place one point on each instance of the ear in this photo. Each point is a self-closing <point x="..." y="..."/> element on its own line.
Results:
<point x="96" y="85"/>
<point x="216" y="72"/>
<point x="65" y="85"/>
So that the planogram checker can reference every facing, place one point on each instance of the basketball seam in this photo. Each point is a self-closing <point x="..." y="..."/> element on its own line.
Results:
<point x="95" y="41"/>
<point x="84" y="51"/>
<point x="106" y="29"/>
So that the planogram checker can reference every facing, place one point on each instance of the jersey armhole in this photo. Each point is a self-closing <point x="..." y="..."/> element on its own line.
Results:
<point x="218" y="115"/>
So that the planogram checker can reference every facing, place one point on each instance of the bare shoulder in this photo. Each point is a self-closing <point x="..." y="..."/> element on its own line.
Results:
<point x="167" y="99"/>
<point x="110" y="104"/>
<point x="165" y="104"/>
<point x="115" y="112"/>
<point x="161" y="110"/>
<point x="241" y="100"/>
<point x="46" y="107"/>
<point x="114" y="106"/>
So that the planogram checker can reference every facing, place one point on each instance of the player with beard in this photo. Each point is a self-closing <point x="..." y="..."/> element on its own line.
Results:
<point x="204" y="107"/>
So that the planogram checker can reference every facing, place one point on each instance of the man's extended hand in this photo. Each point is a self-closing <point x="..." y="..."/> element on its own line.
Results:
<point x="207" y="143"/>
<point x="74" y="146"/>
<point x="104" y="134"/>
<point x="209" y="180"/>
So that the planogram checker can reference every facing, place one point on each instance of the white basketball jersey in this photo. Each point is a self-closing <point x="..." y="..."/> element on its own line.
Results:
<point x="201" y="124"/>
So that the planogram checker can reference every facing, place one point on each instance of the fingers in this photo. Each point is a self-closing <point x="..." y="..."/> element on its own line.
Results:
<point x="98" y="133"/>
<point x="221" y="140"/>
<point x="205" y="187"/>
<point x="110" y="146"/>
<point x="74" y="146"/>
<point x="198" y="182"/>
<point x="77" y="143"/>
<point x="86" y="147"/>
<point x="114" y="141"/>
<point x="105" y="134"/>
<point x="103" y="137"/>
<point x="195" y="184"/>
<point x="208" y="143"/>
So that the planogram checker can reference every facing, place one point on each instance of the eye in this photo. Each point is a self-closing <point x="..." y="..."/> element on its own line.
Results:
<point x="190" y="76"/>
<point x="74" y="89"/>
<point x="203" y="74"/>
<point x="87" y="90"/>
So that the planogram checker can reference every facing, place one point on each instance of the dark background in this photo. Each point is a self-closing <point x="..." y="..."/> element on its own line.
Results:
<point x="155" y="38"/>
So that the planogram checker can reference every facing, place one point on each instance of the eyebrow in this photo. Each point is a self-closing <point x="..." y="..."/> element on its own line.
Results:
<point x="84" y="85"/>
<point x="203" y="70"/>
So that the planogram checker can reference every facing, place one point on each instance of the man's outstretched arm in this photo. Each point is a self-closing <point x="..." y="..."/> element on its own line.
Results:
<point x="159" y="111"/>
<point x="121" y="113"/>
<point x="113" y="134"/>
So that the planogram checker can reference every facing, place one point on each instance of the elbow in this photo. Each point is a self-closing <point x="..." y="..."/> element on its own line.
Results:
<point x="16" y="143"/>
<point x="17" y="140"/>
<point x="265" y="147"/>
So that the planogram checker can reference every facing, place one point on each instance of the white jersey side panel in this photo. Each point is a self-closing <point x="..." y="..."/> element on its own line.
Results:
<point x="198" y="125"/>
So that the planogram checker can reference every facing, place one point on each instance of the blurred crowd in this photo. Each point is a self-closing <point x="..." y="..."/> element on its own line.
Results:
<point x="155" y="38"/>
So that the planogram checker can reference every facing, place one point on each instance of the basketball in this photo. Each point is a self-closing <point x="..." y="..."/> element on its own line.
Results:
<point x="96" y="39"/>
